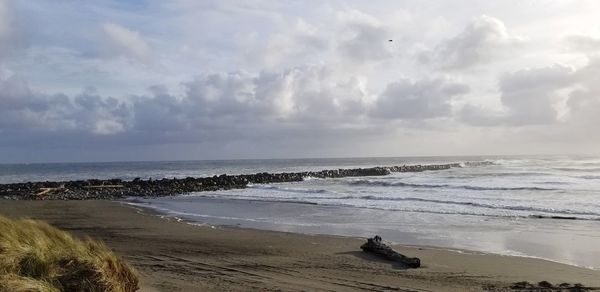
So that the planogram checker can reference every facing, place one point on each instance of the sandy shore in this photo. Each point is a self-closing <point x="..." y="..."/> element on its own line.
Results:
<point x="174" y="256"/>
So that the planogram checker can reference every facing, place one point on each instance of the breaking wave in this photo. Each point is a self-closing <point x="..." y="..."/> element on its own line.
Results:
<point x="287" y="189"/>
<point x="474" y="204"/>
<point x="518" y="211"/>
<point x="381" y="183"/>
<point x="578" y="169"/>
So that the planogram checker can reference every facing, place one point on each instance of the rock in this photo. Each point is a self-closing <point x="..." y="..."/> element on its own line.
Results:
<point x="564" y="285"/>
<point x="522" y="285"/>
<point x="545" y="284"/>
<point x="376" y="246"/>
<point x="117" y="188"/>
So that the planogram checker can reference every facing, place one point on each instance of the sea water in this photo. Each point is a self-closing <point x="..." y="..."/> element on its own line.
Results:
<point x="538" y="206"/>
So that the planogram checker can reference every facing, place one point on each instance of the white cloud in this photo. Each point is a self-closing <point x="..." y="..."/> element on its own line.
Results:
<point x="107" y="127"/>
<point x="213" y="106"/>
<point x="300" y="40"/>
<point x="127" y="41"/>
<point x="529" y="97"/>
<point x="352" y="38"/>
<point x="482" y="40"/>
<point x="307" y="94"/>
<point x="262" y="71"/>
<point x="363" y="37"/>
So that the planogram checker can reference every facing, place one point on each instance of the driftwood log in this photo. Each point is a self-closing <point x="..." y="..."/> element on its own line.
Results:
<point x="376" y="246"/>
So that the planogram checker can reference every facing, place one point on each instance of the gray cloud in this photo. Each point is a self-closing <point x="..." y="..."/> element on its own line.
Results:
<point x="25" y="110"/>
<point x="584" y="101"/>
<point x="587" y="44"/>
<point x="483" y="39"/>
<point x="221" y="107"/>
<point x="535" y="113"/>
<point x="363" y="37"/>
<point x="294" y="99"/>
<point x="5" y="19"/>
<point x="159" y="112"/>
<point x="475" y="115"/>
<point x="100" y="115"/>
<point x="530" y="95"/>
<point x="417" y="100"/>
<point x="6" y="28"/>
<point x="302" y="75"/>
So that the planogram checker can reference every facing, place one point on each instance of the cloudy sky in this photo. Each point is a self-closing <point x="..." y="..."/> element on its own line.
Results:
<point x="84" y="80"/>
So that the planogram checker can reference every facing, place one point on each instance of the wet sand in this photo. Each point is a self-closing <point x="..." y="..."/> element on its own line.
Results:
<point x="175" y="256"/>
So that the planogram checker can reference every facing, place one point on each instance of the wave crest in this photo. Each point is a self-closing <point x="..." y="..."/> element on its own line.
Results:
<point x="287" y="189"/>
<point x="433" y="186"/>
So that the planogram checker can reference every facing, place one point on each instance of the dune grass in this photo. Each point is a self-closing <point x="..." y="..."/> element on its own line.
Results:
<point x="36" y="257"/>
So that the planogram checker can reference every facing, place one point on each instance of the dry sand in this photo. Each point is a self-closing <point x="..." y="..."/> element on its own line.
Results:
<point x="175" y="256"/>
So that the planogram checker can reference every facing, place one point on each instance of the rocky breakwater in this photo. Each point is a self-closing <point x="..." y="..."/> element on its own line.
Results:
<point x="117" y="188"/>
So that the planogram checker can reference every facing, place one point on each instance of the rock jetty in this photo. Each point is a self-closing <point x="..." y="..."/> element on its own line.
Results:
<point x="547" y="286"/>
<point x="117" y="188"/>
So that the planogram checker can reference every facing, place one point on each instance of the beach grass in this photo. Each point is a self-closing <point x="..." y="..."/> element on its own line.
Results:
<point x="35" y="256"/>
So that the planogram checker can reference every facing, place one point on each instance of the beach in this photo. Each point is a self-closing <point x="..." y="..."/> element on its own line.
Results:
<point x="335" y="145"/>
<point x="177" y="256"/>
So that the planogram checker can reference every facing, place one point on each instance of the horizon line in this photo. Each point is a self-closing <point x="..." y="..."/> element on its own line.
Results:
<point x="293" y="158"/>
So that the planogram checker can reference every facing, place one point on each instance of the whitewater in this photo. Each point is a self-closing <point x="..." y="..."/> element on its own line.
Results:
<point x="545" y="207"/>
<point x="551" y="188"/>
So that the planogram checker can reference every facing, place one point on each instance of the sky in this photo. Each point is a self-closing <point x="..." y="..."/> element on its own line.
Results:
<point x="112" y="80"/>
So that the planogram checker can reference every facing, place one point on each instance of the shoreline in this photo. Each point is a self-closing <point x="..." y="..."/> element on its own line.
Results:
<point x="165" y="216"/>
<point x="175" y="256"/>
<point x="520" y="237"/>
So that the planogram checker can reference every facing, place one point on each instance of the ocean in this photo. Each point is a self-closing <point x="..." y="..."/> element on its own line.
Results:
<point x="536" y="206"/>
